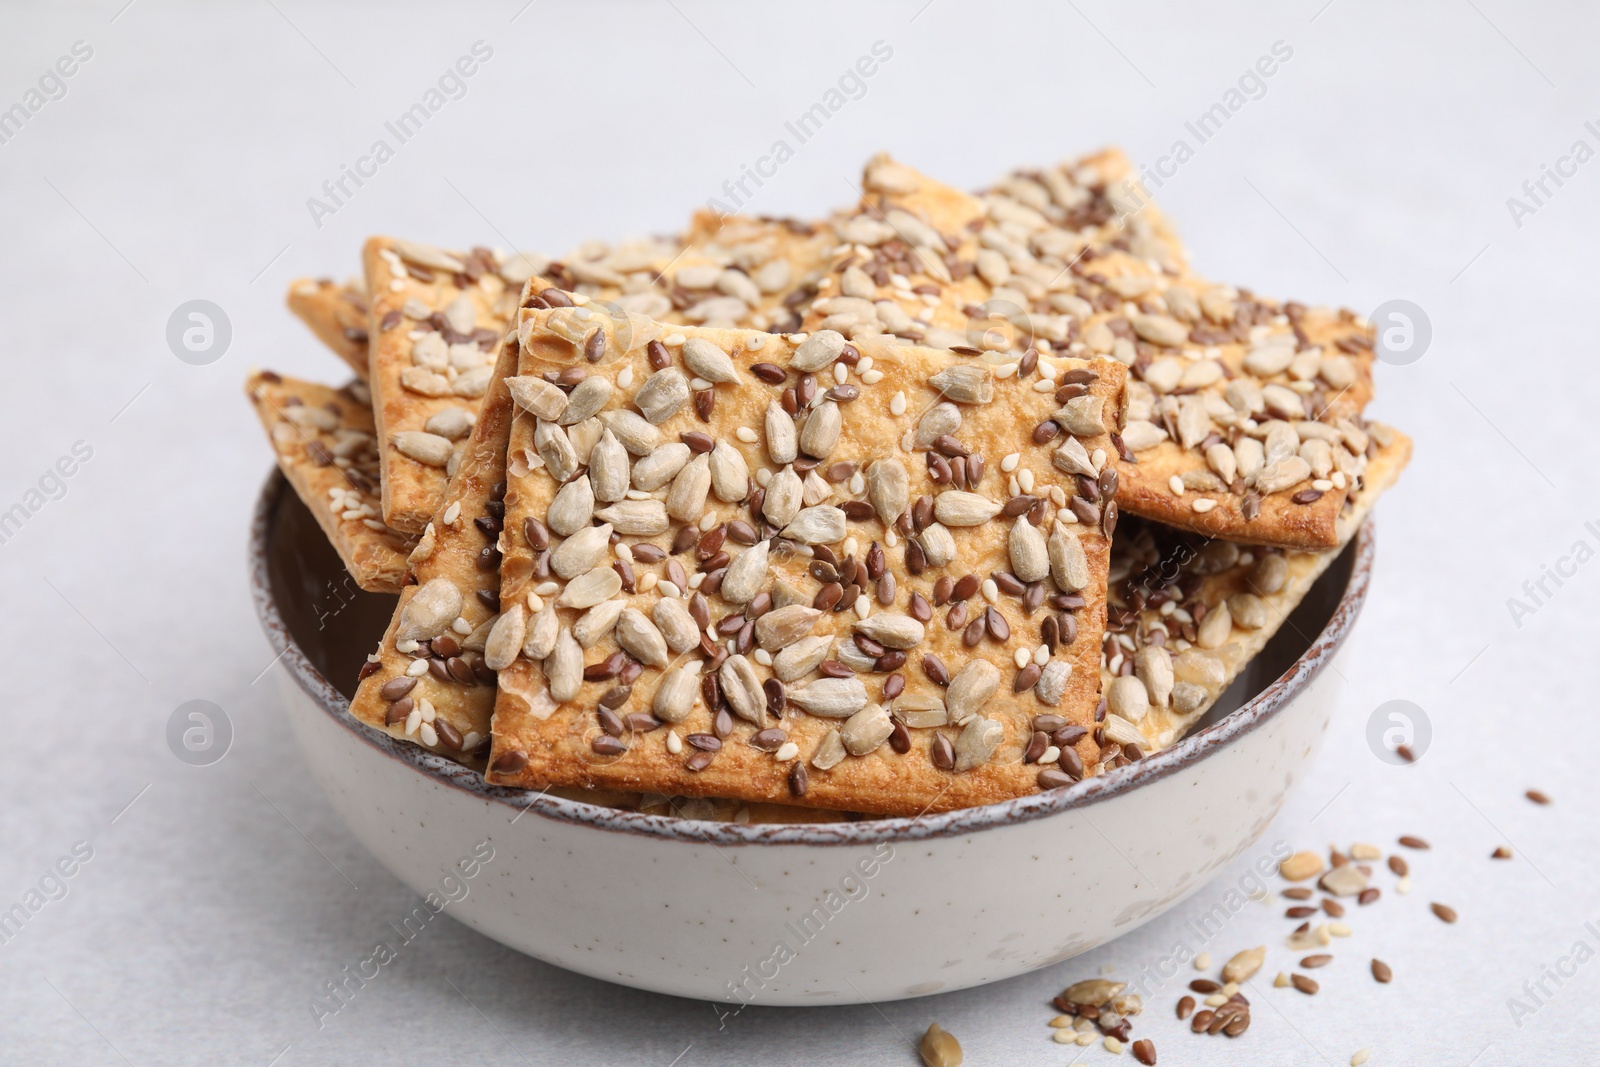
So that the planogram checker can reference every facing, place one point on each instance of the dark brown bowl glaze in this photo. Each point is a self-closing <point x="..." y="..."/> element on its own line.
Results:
<point x="323" y="627"/>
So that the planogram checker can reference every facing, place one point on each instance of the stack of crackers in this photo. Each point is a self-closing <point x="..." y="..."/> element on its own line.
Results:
<point x="941" y="500"/>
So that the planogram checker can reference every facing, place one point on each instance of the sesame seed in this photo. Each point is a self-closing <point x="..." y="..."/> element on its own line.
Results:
<point x="699" y="384"/>
<point x="625" y="378"/>
<point x="428" y="735"/>
<point x="1041" y="655"/>
<point x="1044" y="385"/>
<point x="461" y="626"/>
<point x="1022" y="657"/>
<point x="991" y="591"/>
<point x="747" y="435"/>
<point x="1005" y="370"/>
<point x="1361" y="1056"/>
<point x="897" y="403"/>
<point x="872" y="377"/>
<point x="863" y="606"/>
<point x="413" y="721"/>
<point x="786" y="752"/>
<point x="1175" y="483"/>
<point x="1203" y="504"/>
<point x="1025" y="480"/>
<point x="417" y="668"/>
<point x="1009" y="462"/>
<point x="673" y="339"/>
<point x="1321" y="484"/>
<point x="762" y="656"/>
<point x="550" y="588"/>
<point x="708" y="520"/>
<point x="407" y="646"/>
<point x="674" y="742"/>
<point x="647" y="582"/>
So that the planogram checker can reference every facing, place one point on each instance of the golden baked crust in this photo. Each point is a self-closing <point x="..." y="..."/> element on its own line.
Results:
<point x="325" y="445"/>
<point x="1233" y="599"/>
<point x="1238" y="407"/>
<point x="539" y="740"/>
<point x="337" y="314"/>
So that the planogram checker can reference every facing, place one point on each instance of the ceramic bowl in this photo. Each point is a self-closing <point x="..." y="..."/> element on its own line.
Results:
<point x="829" y="913"/>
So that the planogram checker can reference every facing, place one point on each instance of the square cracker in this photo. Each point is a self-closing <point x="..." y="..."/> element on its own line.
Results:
<point x="456" y="559"/>
<point x="555" y="726"/>
<point x="1246" y="406"/>
<point x="326" y="446"/>
<point x="337" y="314"/>
<point x="436" y="320"/>
<point x="1234" y="598"/>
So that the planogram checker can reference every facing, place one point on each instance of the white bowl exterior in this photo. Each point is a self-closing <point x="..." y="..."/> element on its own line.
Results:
<point x="756" y="923"/>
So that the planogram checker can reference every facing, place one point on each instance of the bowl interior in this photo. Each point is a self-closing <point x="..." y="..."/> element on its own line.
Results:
<point x="336" y="624"/>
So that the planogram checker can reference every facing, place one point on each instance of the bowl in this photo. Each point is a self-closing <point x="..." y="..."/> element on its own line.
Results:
<point x="794" y="914"/>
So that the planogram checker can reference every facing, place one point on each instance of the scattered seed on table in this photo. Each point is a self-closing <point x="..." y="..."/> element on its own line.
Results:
<point x="1381" y="971"/>
<point x="1501" y="853"/>
<point x="1321" y="959"/>
<point x="1537" y="796"/>
<point x="1398" y="865"/>
<point x="1415" y="842"/>
<point x="1185" y="1007"/>
<point x="1306" y="985"/>
<point x="1444" y="911"/>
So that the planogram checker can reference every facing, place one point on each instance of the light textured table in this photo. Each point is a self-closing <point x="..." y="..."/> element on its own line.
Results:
<point x="1375" y="164"/>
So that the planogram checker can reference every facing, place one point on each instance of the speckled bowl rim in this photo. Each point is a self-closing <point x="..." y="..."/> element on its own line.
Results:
<point x="1253" y="713"/>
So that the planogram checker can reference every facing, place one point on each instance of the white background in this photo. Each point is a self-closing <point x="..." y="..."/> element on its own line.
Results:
<point x="1376" y="166"/>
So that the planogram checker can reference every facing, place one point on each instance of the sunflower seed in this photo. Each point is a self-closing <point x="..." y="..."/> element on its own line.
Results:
<point x="572" y="509"/>
<point x="1248" y="610"/>
<point x="537" y="396"/>
<point x="563" y="668"/>
<point x="730" y="475"/>
<point x="542" y="631"/>
<point x="799" y="658"/>
<point x="1030" y="559"/>
<point x="1243" y="966"/>
<point x="821" y="431"/>
<point x="965" y="383"/>
<point x="1073" y="458"/>
<point x="598" y="622"/>
<point x="782" y="441"/>
<point x="553" y="446"/>
<point x="661" y="395"/>
<point x="637" y="435"/>
<point x="661" y="466"/>
<point x="426" y="255"/>
<point x="1069" y="564"/>
<point x="1282" y="474"/>
<point x="431" y="609"/>
<point x="864" y="731"/>
<point x="829" y="752"/>
<point x="591" y="588"/>
<point x="1082" y="417"/>
<point x="891" y="630"/>
<point x="1127" y="697"/>
<point x="938" y="545"/>
<point x="782" y="502"/>
<point x="971" y="688"/>
<point x="1140" y="435"/>
<point x="677" y="626"/>
<point x="746" y="574"/>
<point x="1052" y="683"/>
<point x="608" y="468"/>
<point x="938" y="421"/>
<point x="708" y="361"/>
<point x="888" y="487"/>
<point x="1152" y="665"/>
<point x="784" y="626"/>
<point x="831" y="698"/>
<point x="820" y="525"/>
<point x="639" y="637"/>
<point x="741" y="687"/>
<point x="817" y="351"/>
<point x="588" y="397"/>
<point x="1215" y="628"/>
<point x="956" y="507"/>
<point x="425" y="448"/>
<point x="582" y="551"/>
<point x="505" y="639"/>
<point x="976" y="743"/>
<point x="686" y="501"/>
<point x="674" y="698"/>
